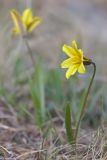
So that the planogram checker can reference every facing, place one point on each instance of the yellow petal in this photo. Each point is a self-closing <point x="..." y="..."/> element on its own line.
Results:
<point x="69" y="50"/>
<point x="74" y="44"/>
<point x="71" y="71"/>
<point x="81" y="54"/>
<point x="66" y="63"/>
<point x="19" y="25"/>
<point x="27" y="16"/>
<point x="16" y="16"/>
<point x="76" y="60"/>
<point x="81" y="69"/>
<point x="35" y="22"/>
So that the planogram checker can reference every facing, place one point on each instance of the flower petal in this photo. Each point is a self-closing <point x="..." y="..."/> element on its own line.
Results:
<point x="81" y="69"/>
<point x="74" y="44"/>
<point x="34" y="23"/>
<point x="19" y="25"/>
<point x="69" y="50"/>
<point x="71" y="71"/>
<point x="76" y="60"/>
<point x="27" y="16"/>
<point x="66" y="63"/>
<point x="79" y="51"/>
<point x="81" y="54"/>
<point x="16" y="16"/>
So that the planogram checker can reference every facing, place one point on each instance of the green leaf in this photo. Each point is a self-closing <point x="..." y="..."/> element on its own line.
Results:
<point x="37" y="89"/>
<point x="68" y="125"/>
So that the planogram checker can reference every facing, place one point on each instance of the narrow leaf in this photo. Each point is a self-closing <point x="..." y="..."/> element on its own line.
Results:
<point x="68" y="125"/>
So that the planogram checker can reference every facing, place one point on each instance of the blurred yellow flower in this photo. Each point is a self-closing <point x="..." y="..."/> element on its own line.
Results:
<point x="25" y="23"/>
<point x="76" y="60"/>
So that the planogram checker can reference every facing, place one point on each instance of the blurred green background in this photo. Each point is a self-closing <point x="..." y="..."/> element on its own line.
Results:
<point x="63" y="21"/>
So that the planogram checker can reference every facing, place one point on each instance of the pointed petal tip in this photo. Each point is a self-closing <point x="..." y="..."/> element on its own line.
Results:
<point x="61" y="65"/>
<point x="63" y="47"/>
<point x="14" y="11"/>
<point x="27" y="10"/>
<point x="74" y="44"/>
<point x="82" y="69"/>
<point x="67" y="76"/>
<point x="74" y="41"/>
<point x="35" y="22"/>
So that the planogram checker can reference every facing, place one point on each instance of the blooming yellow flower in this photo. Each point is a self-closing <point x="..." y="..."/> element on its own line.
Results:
<point x="25" y="23"/>
<point x="76" y="60"/>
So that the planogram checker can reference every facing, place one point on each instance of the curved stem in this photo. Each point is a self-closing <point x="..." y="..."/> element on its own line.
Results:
<point x="29" y="51"/>
<point x="85" y="100"/>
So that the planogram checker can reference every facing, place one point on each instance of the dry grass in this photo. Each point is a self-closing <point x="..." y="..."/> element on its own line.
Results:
<point x="22" y="142"/>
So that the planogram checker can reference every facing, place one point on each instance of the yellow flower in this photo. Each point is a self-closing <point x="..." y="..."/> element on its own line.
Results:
<point x="76" y="60"/>
<point x="25" y="23"/>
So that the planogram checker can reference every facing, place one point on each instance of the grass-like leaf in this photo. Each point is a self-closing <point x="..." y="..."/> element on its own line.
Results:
<point x="37" y="88"/>
<point x="68" y="125"/>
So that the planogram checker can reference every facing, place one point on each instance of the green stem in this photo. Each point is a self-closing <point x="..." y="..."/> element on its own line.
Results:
<point x="85" y="100"/>
<point x="29" y="51"/>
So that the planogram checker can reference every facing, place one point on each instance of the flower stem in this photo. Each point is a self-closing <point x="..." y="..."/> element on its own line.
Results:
<point x="29" y="51"/>
<point x="85" y="100"/>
